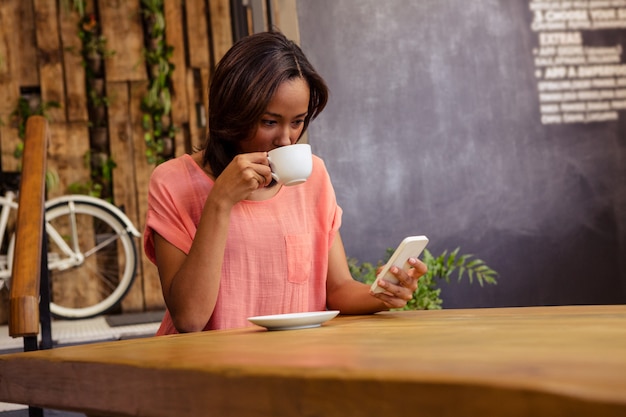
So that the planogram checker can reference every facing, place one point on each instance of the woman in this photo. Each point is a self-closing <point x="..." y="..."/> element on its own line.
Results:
<point x="228" y="241"/>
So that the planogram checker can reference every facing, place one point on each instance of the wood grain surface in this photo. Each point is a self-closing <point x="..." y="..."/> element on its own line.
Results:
<point x="539" y="361"/>
<point x="26" y="270"/>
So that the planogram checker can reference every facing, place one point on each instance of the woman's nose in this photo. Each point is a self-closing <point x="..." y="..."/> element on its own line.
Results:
<point x="285" y="137"/>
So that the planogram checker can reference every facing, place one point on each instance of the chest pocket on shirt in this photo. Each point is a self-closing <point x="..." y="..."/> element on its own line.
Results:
<point x="299" y="257"/>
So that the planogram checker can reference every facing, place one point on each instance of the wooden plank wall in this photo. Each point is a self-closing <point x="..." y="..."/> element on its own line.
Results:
<point x="38" y="48"/>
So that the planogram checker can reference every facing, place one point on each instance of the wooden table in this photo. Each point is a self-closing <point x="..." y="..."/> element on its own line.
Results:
<point x="532" y="361"/>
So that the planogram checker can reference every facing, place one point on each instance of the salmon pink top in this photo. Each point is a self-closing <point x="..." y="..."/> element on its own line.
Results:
<point x="276" y="255"/>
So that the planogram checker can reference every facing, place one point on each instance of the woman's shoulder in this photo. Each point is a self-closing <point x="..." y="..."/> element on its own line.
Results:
<point x="319" y="180"/>
<point x="184" y="167"/>
<point x="173" y="165"/>
<point x="319" y="167"/>
<point x="179" y="174"/>
<point x="318" y="163"/>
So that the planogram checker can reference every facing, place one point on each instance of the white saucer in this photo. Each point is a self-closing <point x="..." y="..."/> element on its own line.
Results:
<point x="293" y="321"/>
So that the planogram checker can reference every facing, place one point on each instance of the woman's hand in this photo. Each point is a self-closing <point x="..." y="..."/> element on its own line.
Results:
<point x="397" y="295"/>
<point x="246" y="173"/>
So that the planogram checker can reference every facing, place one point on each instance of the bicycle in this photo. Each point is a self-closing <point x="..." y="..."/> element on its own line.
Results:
<point x="90" y="244"/>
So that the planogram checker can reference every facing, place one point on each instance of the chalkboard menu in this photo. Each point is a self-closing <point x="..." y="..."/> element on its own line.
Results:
<point x="493" y="126"/>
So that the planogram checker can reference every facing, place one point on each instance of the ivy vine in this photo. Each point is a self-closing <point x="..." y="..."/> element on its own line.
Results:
<point x="157" y="104"/>
<point x="23" y="110"/>
<point x="93" y="52"/>
<point x="159" y="131"/>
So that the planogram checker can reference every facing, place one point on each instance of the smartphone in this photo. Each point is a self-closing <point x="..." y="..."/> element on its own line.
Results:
<point x="410" y="247"/>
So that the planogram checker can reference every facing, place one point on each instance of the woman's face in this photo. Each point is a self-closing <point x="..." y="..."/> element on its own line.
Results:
<point x="283" y="120"/>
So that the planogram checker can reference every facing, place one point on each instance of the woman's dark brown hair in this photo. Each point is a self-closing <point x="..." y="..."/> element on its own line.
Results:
<point x="242" y="86"/>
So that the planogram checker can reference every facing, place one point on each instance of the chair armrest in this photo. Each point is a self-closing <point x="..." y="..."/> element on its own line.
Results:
<point x="26" y="270"/>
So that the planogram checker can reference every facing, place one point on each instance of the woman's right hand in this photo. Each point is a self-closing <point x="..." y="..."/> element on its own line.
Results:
<point x="246" y="173"/>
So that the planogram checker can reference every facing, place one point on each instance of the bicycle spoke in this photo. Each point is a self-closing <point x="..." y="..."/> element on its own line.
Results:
<point x="92" y="258"/>
<point x="74" y="225"/>
<point x="101" y="245"/>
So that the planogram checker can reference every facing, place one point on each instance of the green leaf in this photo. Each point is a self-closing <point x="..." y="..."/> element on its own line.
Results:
<point x="428" y="294"/>
<point x="470" y="274"/>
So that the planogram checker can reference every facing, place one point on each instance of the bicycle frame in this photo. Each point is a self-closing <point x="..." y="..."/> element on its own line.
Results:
<point x="73" y="257"/>
<point x="130" y="228"/>
<point x="8" y="203"/>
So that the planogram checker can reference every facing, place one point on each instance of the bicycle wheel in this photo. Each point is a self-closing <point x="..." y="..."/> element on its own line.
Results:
<point x="92" y="258"/>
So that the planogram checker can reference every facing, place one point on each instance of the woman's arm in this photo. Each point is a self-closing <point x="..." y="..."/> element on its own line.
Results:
<point x="190" y="282"/>
<point x="352" y="297"/>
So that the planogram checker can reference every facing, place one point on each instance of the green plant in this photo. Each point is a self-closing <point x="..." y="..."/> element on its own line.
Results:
<point x="78" y="5"/>
<point x="157" y="104"/>
<point x="89" y="188"/>
<point x="94" y="44"/>
<point x="93" y="51"/>
<point x="98" y="105"/>
<point x="101" y="175"/>
<point x="98" y="99"/>
<point x="442" y="267"/>
<point x="52" y="179"/>
<point x="23" y="110"/>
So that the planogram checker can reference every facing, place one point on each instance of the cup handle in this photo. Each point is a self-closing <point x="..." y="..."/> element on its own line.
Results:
<point x="272" y="168"/>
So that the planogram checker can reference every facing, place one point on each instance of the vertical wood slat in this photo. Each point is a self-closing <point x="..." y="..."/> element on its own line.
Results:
<point x="9" y="48"/>
<point x="221" y="28"/>
<point x="122" y="27"/>
<point x="197" y="34"/>
<point x="69" y="146"/>
<point x="122" y="149"/>
<point x="11" y="72"/>
<point x="9" y="140"/>
<point x="222" y="40"/>
<point x="153" y="297"/>
<point x="197" y="78"/>
<point x="121" y="143"/>
<point x="50" y="57"/>
<point x="28" y="73"/>
<point x="174" y="37"/>
<point x="285" y="16"/>
<point x="195" y="94"/>
<point x="74" y="74"/>
<point x="9" y="79"/>
<point x="90" y="6"/>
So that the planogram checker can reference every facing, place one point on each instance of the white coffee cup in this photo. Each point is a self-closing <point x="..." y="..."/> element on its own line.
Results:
<point x="291" y="164"/>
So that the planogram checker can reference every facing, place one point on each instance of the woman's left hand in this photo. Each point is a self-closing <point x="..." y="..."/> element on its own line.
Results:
<point x="397" y="295"/>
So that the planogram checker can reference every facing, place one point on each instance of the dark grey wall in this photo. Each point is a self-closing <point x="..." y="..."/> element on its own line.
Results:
<point x="433" y="128"/>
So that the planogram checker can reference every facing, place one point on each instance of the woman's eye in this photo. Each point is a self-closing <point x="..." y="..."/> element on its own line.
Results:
<point x="268" y="122"/>
<point x="298" y="122"/>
